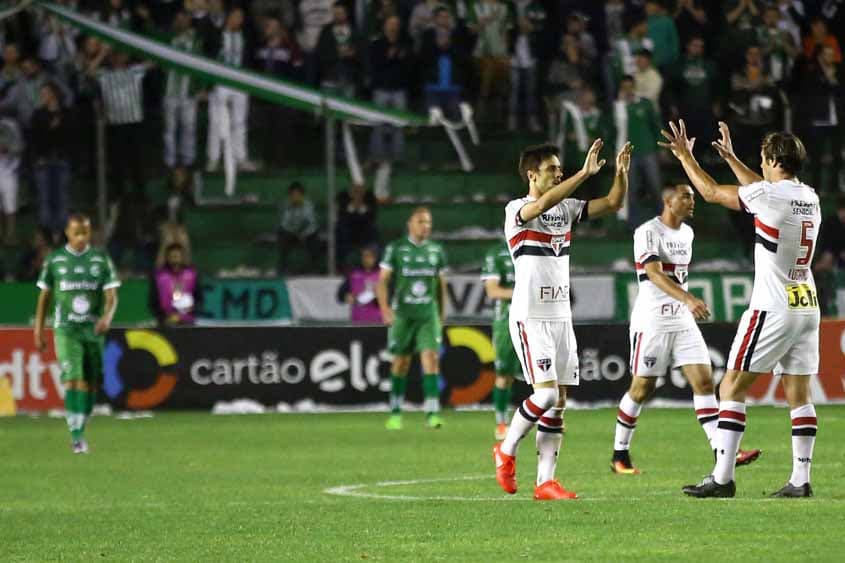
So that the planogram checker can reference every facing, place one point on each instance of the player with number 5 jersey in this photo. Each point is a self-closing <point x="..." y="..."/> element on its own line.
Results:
<point x="780" y="331"/>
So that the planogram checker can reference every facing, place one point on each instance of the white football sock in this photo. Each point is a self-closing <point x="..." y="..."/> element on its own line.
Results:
<point x="526" y="416"/>
<point x="626" y="422"/>
<point x="729" y="434"/>
<point x="549" y="438"/>
<point x="707" y="413"/>
<point x="804" y="427"/>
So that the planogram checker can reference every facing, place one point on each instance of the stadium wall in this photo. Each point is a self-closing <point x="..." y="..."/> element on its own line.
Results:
<point x="315" y="368"/>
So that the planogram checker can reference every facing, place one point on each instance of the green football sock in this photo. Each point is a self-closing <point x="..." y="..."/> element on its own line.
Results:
<point x="431" y="393"/>
<point x="90" y="398"/>
<point x="501" y="400"/>
<point x="75" y="412"/>
<point x="397" y="392"/>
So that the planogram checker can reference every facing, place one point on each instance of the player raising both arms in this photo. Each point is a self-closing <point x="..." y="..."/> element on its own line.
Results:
<point x="417" y="265"/>
<point x="663" y="329"/>
<point x="498" y="277"/>
<point x="82" y="282"/>
<point x="539" y="230"/>
<point x="780" y="330"/>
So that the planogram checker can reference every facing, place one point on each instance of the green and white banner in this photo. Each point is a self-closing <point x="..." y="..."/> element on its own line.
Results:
<point x="271" y="89"/>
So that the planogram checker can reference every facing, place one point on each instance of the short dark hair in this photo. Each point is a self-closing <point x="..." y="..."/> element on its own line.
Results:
<point x="785" y="149"/>
<point x="296" y="187"/>
<point x="532" y="156"/>
<point x="626" y="78"/>
<point x="419" y="209"/>
<point x="174" y="246"/>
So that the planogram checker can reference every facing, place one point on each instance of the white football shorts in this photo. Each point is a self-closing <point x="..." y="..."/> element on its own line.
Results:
<point x="652" y="353"/>
<point x="547" y="350"/>
<point x="765" y="339"/>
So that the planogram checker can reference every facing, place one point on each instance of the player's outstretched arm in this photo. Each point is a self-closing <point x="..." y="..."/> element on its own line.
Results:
<point x="724" y="146"/>
<point x="696" y="306"/>
<point x="442" y="291"/>
<point x="591" y="167"/>
<point x="615" y="199"/>
<point x="681" y="147"/>
<point x="381" y="295"/>
<point x="40" y="314"/>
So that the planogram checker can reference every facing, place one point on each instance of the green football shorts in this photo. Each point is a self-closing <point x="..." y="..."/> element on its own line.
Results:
<point x="406" y="336"/>
<point x="80" y="353"/>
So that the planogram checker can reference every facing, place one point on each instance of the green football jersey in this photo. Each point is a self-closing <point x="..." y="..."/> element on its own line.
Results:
<point x="77" y="282"/>
<point x="499" y="266"/>
<point x="416" y="273"/>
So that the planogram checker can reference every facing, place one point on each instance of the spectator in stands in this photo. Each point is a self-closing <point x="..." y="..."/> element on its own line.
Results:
<point x="754" y="104"/>
<point x="23" y="99"/>
<point x="819" y="115"/>
<point x="175" y="293"/>
<point x="742" y="18"/>
<point x="380" y="11"/>
<point x="776" y="44"/>
<point x="116" y="14"/>
<point x="819" y="35"/>
<point x="443" y="64"/>
<point x="85" y="107"/>
<point x="637" y="121"/>
<point x="576" y="25"/>
<point x="297" y="228"/>
<point x="390" y="66"/>
<point x="490" y="20"/>
<point x="585" y="121"/>
<point x="358" y="290"/>
<point x="314" y="15"/>
<point x="171" y="232"/>
<point x="279" y="56"/>
<point x="56" y="45"/>
<point x="830" y="257"/>
<point x="622" y="56"/>
<point x="648" y="83"/>
<point x="695" y="93"/>
<point x="691" y="18"/>
<point x="11" y="147"/>
<point x="614" y="17"/>
<point x="282" y="10"/>
<point x="228" y="108"/>
<point x="338" y="51"/>
<point x="180" y="99"/>
<point x="422" y="19"/>
<point x="51" y="145"/>
<point x="567" y="73"/>
<point x="527" y="40"/>
<point x="180" y="194"/>
<point x="128" y="232"/>
<point x="663" y="34"/>
<point x="356" y="221"/>
<point x="121" y="93"/>
<point x="11" y="71"/>
<point x="32" y="258"/>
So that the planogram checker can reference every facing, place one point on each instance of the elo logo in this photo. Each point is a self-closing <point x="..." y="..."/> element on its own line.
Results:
<point x="163" y="353"/>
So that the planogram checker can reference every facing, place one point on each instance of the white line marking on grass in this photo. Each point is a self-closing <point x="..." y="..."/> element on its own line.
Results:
<point x="356" y="490"/>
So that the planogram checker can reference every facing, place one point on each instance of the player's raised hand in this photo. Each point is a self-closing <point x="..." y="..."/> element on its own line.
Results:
<point x="592" y="164"/>
<point x="724" y="146"/>
<point x="623" y="159"/>
<point x="678" y="142"/>
<point x="698" y="308"/>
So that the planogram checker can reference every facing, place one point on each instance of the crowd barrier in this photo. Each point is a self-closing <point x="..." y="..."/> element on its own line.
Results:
<point x="307" y="368"/>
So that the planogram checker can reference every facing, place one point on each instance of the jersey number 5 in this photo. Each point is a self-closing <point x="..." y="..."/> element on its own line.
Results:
<point x="807" y="242"/>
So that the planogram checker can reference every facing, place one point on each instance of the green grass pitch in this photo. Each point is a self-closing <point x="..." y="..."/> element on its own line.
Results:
<point x="197" y="487"/>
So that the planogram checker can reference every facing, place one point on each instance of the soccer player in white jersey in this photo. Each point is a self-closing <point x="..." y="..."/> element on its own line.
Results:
<point x="663" y="330"/>
<point x="538" y="228"/>
<point x="780" y="330"/>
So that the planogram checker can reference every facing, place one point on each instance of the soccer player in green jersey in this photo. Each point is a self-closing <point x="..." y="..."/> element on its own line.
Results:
<point x="498" y="277"/>
<point x="416" y="265"/>
<point x="83" y="284"/>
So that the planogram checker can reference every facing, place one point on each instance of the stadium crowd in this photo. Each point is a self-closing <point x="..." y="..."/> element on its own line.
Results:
<point x="579" y="68"/>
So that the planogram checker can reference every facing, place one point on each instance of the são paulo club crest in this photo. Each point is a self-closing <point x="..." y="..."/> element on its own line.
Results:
<point x="557" y="243"/>
<point x="544" y="363"/>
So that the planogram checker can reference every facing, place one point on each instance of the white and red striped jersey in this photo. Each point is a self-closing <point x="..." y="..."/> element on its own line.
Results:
<point x="787" y="219"/>
<point x="654" y="310"/>
<point x="540" y="252"/>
